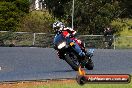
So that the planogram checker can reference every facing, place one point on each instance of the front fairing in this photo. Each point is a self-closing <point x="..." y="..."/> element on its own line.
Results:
<point x="71" y="45"/>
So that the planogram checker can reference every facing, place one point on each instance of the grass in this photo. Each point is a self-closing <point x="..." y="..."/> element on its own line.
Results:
<point x="125" y="25"/>
<point x="62" y="84"/>
<point x="124" y="42"/>
<point x="74" y="85"/>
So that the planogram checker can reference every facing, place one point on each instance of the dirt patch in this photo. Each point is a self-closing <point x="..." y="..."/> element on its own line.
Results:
<point x="30" y="84"/>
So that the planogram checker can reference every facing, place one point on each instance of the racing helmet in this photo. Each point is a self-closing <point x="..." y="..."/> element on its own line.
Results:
<point x="58" y="26"/>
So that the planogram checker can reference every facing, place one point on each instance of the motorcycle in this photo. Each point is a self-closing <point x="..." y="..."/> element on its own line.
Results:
<point x="67" y="48"/>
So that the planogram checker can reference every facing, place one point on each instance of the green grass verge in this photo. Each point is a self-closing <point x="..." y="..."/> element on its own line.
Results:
<point x="75" y="85"/>
<point x="123" y="40"/>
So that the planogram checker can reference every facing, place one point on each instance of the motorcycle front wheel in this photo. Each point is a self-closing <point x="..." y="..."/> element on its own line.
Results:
<point x="72" y="59"/>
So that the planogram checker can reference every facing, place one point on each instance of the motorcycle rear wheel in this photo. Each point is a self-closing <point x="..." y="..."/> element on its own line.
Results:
<point x="90" y="64"/>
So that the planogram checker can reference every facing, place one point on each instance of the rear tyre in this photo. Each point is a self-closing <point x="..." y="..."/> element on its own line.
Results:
<point x="72" y="60"/>
<point x="90" y="64"/>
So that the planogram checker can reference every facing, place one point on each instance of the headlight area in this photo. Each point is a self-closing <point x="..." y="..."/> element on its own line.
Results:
<point x="61" y="45"/>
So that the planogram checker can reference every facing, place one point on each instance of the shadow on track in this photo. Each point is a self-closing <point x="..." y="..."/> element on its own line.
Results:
<point x="64" y="71"/>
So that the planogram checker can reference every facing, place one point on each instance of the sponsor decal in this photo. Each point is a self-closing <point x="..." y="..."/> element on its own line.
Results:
<point x="83" y="78"/>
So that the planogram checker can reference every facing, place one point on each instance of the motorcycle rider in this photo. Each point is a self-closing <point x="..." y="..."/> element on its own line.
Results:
<point x="69" y="33"/>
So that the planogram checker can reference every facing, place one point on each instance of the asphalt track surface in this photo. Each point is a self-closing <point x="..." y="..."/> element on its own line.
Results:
<point x="26" y="63"/>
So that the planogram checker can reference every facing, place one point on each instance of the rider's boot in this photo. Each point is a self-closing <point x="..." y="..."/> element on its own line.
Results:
<point x="89" y="54"/>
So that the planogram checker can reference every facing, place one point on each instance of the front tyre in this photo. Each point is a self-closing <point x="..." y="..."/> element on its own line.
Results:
<point x="72" y="60"/>
<point x="81" y="80"/>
